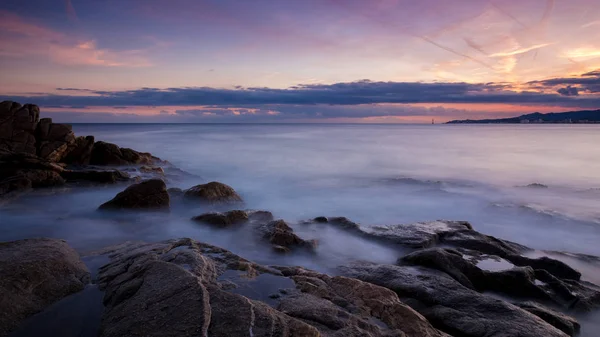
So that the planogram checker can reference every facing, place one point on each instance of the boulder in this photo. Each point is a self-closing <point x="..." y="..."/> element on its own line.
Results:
<point x="18" y="168"/>
<point x="451" y="307"/>
<point x="110" y="154"/>
<point x="213" y="193"/>
<point x="226" y="219"/>
<point x="35" y="273"/>
<point x="80" y="152"/>
<point x="55" y="143"/>
<point x="149" y="194"/>
<point x="17" y="127"/>
<point x="280" y="234"/>
<point x="564" y="323"/>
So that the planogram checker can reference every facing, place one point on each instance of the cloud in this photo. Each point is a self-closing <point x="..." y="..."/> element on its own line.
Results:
<point x="20" y="38"/>
<point x="344" y="93"/>
<point x="568" y="91"/>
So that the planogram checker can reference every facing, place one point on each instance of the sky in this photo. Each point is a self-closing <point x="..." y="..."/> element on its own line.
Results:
<point x="358" y="61"/>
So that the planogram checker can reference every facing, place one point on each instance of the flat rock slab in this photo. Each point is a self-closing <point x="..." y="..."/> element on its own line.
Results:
<point x="35" y="273"/>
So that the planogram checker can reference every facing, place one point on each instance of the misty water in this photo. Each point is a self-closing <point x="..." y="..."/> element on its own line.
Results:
<point x="372" y="174"/>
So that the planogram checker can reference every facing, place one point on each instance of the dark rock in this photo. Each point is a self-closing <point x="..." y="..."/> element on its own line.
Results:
<point x="281" y="234"/>
<point x="223" y="219"/>
<point x="152" y="169"/>
<point x="341" y="306"/>
<point x="95" y="176"/>
<point x="260" y="216"/>
<point x="181" y="287"/>
<point x="473" y="240"/>
<point x="554" y="267"/>
<point x="564" y="323"/>
<point x="213" y="193"/>
<point x="450" y="306"/>
<point x="175" y="192"/>
<point x="35" y="273"/>
<point x="19" y="171"/>
<point x="110" y="154"/>
<point x="149" y="194"/>
<point x="173" y="289"/>
<point x="80" y="152"/>
<point x="56" y="143"/>
<point x="320" y="219"/>
<point x="343" y="222"/>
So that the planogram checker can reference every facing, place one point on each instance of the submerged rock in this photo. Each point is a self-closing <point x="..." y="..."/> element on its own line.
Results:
<point x="35" y="273"/>
<point x="149" y="194"/>
<point x="213" y="193"/>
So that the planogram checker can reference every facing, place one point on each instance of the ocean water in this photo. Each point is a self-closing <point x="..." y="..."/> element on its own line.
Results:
<point x="372" y="174"/>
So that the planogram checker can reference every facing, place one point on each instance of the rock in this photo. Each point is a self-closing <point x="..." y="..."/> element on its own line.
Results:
<point x="451" y="307"/>
<point x="223" y="219"/>
<point x="17" y="127"/>
<point x="80" y="152"/>
<point x="260" y="216"/>
<point x="213" y="193"/>
<point x="184" y="287"/>
<point x="110" y="154"/>
<point x="173" y="289"/>
<point x="320" y="219"/>
<point x="95" y="176"/>
<point x="149" y="194"/>
<point x="22" y="167"/>
<point x="152" y="169"/>
<point x="341" y="306"/>
<point x="35" y="273"/>
<point x="55" y="143"/>
<point x="564" y="323"/>
<point x="281" y="234"/>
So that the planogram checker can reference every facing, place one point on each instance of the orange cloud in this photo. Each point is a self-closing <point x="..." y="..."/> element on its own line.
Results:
<point x="21" y="39"/>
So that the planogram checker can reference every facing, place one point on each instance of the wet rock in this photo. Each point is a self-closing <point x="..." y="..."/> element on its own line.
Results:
<point x="320" y="219"/>
<point x="21" y="171"/>
<point x="260" y="216"/>
<point x="341" y="306"/>
<point x="213" y="193"/>
<point x="226" y="219"/>
<point x="110" y="154"/>
<point x="180" y="287"/>
<point x="175" y="192"/>
<point x="149" y="194"/>
<point x="564" y="323"/>
<point x="152" y="169"/>
<point x="281" y="234"/>
<point x="172" y="289"/>
<point x="95" y="176"/>
<point x="417" y="235"/>
<point x="450" y="306"/>
<point x="35" y="273"/>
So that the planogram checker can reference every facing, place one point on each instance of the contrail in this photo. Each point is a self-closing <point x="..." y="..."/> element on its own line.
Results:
<point x="422" y="37"/>
<point x="71" y="13"/>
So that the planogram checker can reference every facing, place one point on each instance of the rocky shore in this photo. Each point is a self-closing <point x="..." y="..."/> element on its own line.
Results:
<point x="454" y="281"/>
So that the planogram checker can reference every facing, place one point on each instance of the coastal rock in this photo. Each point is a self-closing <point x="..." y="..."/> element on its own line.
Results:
<point x="95" y="176"/>
<point x="55" y="142"/>
<point x="564" y="323"/>
<point x="451" y="307"/>
<point x="17" y="127"/>
<point x="110" y="154"/>
<point x="35" y="273"/>
<point x="185" y="287"/>
<point x="173" y="289"/>
<point x="80" y="152"/>
<point x="341" y="306"/>
<point x="213" y="193"/>
<point x="223" y="219"/>
<point x="149" y="194"/>
<point x="280" y="234"/>
<point x="22" y="171"/>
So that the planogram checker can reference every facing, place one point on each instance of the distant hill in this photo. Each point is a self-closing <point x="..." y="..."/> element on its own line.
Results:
<point x="579" y="117"/>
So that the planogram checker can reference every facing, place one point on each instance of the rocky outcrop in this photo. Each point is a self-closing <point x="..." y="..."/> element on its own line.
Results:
<point x="35" y="273"/>
<point x="20" y="171"/>
<point x="150" y="195"/>
<point x="226" y="219"/>
<point x="213" y="193"/>
<point x="184" y="287"/>
<point x="283" y="238"/>
<point x="450" y="306"/>
<point x="18" y="124"/>
<point x="110" y="154"/>
<point x="95" y="176"/>
<point x="55" y="140"/>
<point x="564" y="323"/>
<point x="80" y="152"/>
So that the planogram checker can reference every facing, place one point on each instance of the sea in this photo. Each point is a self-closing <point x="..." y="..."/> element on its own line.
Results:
<point x="537" y="185"/>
